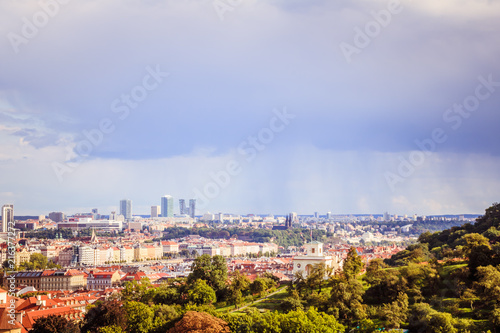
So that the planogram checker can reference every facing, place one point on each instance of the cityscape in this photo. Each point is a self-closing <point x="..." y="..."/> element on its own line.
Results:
<point x="249" y="166"/>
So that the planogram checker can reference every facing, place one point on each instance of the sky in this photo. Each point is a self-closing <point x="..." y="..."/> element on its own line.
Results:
<point x="361" y="106"/>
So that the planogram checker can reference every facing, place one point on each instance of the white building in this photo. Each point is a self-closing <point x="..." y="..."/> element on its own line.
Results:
<point x="7" y="217"/>
<point x="89" y="256"/>
<point x="314" y="255"/>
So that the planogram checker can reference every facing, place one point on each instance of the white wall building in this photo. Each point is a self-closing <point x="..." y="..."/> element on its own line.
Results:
<point x="314" y="256"/>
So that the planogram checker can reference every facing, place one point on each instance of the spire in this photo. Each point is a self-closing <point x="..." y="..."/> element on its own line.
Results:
<point x="94" y="239"/>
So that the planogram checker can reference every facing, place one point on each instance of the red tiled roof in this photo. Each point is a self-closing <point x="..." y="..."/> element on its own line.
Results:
<point x="31" y="316"/>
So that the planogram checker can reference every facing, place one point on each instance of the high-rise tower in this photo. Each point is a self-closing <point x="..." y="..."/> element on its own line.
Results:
<point x="167" y="206"/>
<point x="182" y="207"/>
<point x="126" y="208"/>
<point x="192" y="207"/>
<point x="7" y="216"/>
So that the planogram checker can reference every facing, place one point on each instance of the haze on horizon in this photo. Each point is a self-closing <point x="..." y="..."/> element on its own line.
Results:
<point x="263" y="92"/>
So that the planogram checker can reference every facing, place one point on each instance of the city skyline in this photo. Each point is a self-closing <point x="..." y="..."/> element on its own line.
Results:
<point x="273" y="106"/>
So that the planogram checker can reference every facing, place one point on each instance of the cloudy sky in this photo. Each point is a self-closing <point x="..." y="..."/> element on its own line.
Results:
<point x="359" y="106"/>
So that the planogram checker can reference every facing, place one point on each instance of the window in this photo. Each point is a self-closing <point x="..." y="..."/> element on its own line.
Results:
<point x="313" y="250"/>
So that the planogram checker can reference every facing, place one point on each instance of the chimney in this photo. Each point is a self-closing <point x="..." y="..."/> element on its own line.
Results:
<point x="19" y="317"/>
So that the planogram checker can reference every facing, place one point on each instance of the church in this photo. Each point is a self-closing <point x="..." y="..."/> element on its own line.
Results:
<point x="314" y="255"/>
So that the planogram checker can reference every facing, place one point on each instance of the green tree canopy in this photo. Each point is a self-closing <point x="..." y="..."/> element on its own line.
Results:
<point x="353" y="264"/>
<point x="104" y="313"/>
<point x="54" y="324"/>
<point x="213" y="270"/>
<point x="201" y="293"/>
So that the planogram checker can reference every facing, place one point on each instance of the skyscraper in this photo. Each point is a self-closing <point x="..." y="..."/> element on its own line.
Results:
<point x="192" y="207"/>
<point x="182" y="207"/>
<point x="126" y="208"/>
<point x="7" y="216"/>
<point x="185" y="210"/>
<point x="167" y="206"/>
<point x="155" y="211"/>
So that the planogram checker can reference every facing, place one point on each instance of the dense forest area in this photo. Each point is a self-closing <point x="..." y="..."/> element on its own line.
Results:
<point x="285" y="238"/>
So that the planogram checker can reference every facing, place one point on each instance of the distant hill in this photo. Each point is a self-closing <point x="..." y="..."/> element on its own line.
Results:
<point x="487" y="225"/>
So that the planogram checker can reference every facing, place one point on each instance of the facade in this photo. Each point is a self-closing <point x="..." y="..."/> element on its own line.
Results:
<point x="57" y="216"/>
<point x="192" y="207"/>
<point x="49" y="251"/>
<point x="7" y="217"/>
<point x="66" y="256"/>
<point x="126" y="208"/>
<point x="84" y="223"/>
<point x="187" y="210"/>
<point x="69" y="279"/>
<point x="22" y="255"/>
<point x="314" y="256"/>
<point x="155" y="211"/>
<point x="126" y="254"/>
<point x="170" y="247"/>
<point x="167" y="206"/>
<point x="182" y="207"/>
<point x="89" y="256"/>
<point x="102" y="280"/>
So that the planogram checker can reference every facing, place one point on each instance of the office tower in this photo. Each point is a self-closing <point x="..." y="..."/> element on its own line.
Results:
<point x="182" y="207"/>
<point x="57" y="216"/>
<point x="155" y="211"/>
<point x="113" y="216"/>
<point x="315" y="215"/>
<point x="192" y="208"/>
<point x="329" y="215"/>
<point x="7" y="216"/>
<point x="167" y="206"/>
<point x="386" y="216"/>
<point x="126" y="208"/>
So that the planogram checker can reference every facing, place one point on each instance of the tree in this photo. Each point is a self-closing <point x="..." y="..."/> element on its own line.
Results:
<point x="110" y="329"/>
<point x="346" y="300"/>
<point x="495" y="318"/>
<point x="478" y="249"/>
<point x="353" y="264"/>
<point x="488" y="286"/>
<point x="316" y="278"/>
<point x="139" y="317"/>
<point x="200" y="322"/>
<point x="164" y="317"/>
<point x="259" y="286"/>
<point x="54" y="324"/>
<point x="395" y="313"/>
<point x="165" y="294"/>
<point x="211" y="269"/>
<point x="310" y="321"/>
<point x="292" y="322"/>
<point x="135" y="290"/>
<point x="37" y="261"/>
<point x="201" y="293"/>
<point x="104" y="313"/>
<point x="239" y="286"/>
<point x="291" y="304"/>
